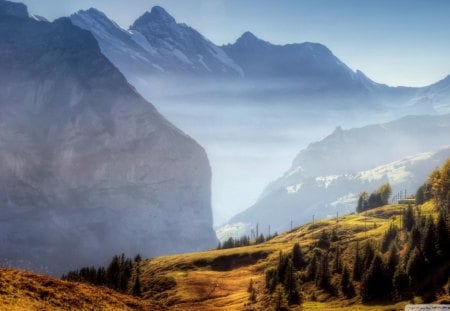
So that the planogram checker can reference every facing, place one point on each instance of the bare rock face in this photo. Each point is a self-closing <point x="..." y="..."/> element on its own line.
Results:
<point x="88" y="168"/>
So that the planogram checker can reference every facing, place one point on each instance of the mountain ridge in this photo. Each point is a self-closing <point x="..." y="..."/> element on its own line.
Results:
<point x="88" y="167"/>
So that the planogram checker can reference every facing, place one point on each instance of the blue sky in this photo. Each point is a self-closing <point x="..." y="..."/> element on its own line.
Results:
<point x="398" y="42"/>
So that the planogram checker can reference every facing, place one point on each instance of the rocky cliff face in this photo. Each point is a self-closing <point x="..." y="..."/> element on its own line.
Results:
<point x="88" y="168"/>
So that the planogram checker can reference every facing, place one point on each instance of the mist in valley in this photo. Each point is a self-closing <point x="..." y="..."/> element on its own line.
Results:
<point x="251" y="130"/>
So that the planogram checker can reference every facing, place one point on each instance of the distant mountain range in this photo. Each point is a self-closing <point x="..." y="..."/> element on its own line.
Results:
<point x="156" y="45"/>
<point x="88" y="168"/>
<point x="328" y="175"/>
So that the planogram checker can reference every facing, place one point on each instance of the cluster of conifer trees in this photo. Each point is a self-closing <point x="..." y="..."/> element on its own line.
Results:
<point x="244" y="241"/>
<point x="376" y="199"/>
<point x="411" y="259"/>
<point x="118" y="275"/>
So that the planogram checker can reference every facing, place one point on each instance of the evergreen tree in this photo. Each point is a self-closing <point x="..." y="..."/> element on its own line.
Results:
<point x="401" y="283"/>
<point x="280" y="299"/>
<point x="112" y="273"/>
<point x="408" y="218"/>
<point x="323" y="273"/>
<point x="252" y="292"/>
<point x="337" y="265"/>
<point x="290" y="285"/>
<point x="375" y="200"/>
<point x="389" y="236"/>
<point x="137" y="258"/>
<point x="346" y="285"/>
<point x="392" y="261"/>
<point x="283" y="266"/>
<point x="423" y="194"/>
<point x="442" y="237"/>
<point x="429" y="242"/>
<point x="373" y="285"/>
<point x="271" y="279"/>
<point x="311" y="269"/>
<point x="137" y="284"/>
<point x="415" y="238"/>
<point x="415" y="267"/>
<point x="368" y="254"/>
<point x="357" y="264"/>
<point x="324" y="240"/>
<point x="362" y="202"/>
<point x="385" y="192"/>
<point x="298" y="259"/>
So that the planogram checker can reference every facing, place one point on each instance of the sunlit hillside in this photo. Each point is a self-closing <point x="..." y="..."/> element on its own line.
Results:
<point x="21" y="290"/>
<point x="219" y="279"/>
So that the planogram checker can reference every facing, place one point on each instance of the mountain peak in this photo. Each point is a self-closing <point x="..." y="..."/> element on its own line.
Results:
<point x="249" y="39"/>
<point x="158" y="13"/>
<point x="13" y="9"/>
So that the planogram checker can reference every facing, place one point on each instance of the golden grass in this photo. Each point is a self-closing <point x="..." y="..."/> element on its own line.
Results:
<point x="215" y="280"/>
<point x="22" y="290"/>
<point x="202" y="285"/>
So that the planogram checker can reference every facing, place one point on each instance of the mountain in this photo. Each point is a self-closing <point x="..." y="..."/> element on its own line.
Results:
<point x="328" y="175"/>
<point x="310" y="62"/>
<point x="157" y="52"/>
<point x="156" y="43"/>
<point x="88" y="168"/>
<point x="436" y="95"/>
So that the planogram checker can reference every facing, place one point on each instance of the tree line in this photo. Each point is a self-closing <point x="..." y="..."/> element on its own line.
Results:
<point x="117" y="275"/>
<point x="245" y="241"/>
<point x="376" y="199"/>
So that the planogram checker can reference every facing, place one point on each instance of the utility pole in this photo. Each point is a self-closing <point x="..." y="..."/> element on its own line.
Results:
<point x="269" y="233"/>
<point x="313" y="219"/>
<point x="257" y="235"/>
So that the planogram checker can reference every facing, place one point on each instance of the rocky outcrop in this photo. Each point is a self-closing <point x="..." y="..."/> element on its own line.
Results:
<point x="88" y="168"/>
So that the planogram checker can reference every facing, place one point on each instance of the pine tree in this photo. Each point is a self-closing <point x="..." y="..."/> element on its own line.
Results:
<point x="337" y="265"/>
<point x="311" y="269"/>
<point x="290" y="285"/>
<point x="137" y="258"/>
<point x="252" y="292"/>
<point x="368" y="254"/>
<point x="347" y="287"/>
<point x="323" y="273"/>
<point x="362" y="202"/>
<point x="415" y="238"/>
<point x="137" y="284"/>
<point x="415" y="267"/>
<point x="112" y="273"/>
<point x="385" y="192"/>
<point x="408" y="218"/>
<point x="324" y="240"/>
<point x="401" y="283"/>
<point x="392" y="261"/>
<point x="373" y="285"/>
<point x="279" y="299"/>
<point x="429" y="242"/>
<point x="298" y="259"/>
<point x="271" y="279"/>
<point x="442" y="237"/>
<point x="357" y="264"/>
<point x="388" y="237"/>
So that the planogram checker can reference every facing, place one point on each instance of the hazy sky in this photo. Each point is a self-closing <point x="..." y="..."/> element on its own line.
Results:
<point x="397" y="42"/>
